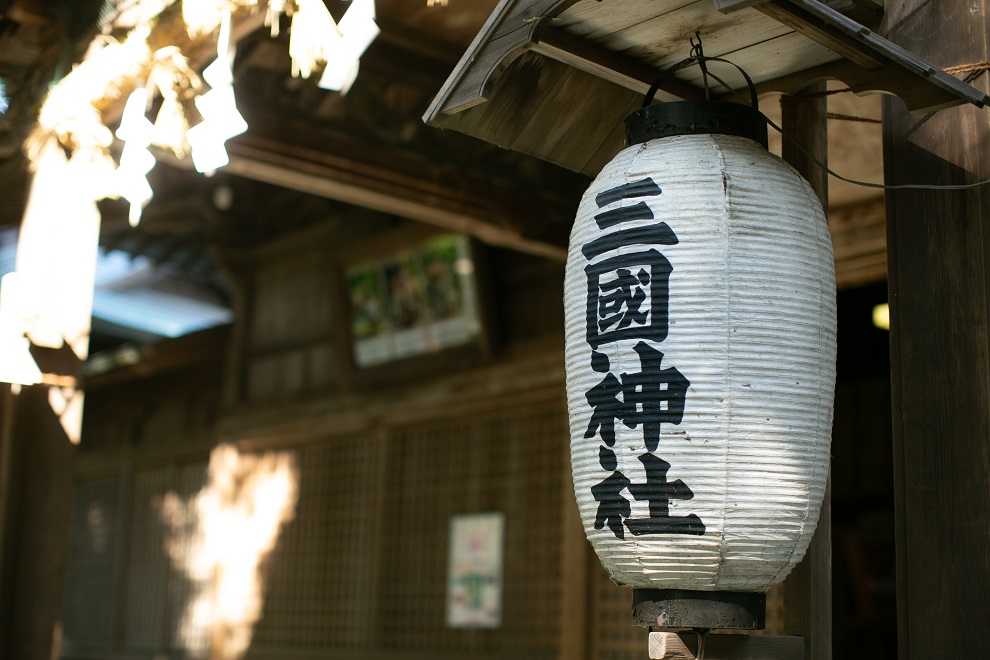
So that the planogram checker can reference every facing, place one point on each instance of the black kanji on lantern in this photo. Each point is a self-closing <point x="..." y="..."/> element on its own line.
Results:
<point x="615" y="510"/>
<point x="659" y="492"/>
<point x="604" y="401"/>
<point x="651" y="397"/>
<point x="654" y="396"/>
<point x="643" y="188"/>
<point x="656" y="234"/>
<point x="628" y="298"/>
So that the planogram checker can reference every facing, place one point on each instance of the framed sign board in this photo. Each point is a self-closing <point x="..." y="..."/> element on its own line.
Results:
<point x="474" y="571"/>
<point x="414" y="302"/>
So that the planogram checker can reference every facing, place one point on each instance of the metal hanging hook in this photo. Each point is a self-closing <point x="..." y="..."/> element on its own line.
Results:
<point x="698" y="53"/>
<point x="698" y="57"/>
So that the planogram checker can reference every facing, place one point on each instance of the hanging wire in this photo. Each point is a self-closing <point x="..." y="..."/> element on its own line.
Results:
<point x="697" y="56"/>
<point x="698" y="53"/>
<point x="881" y="186"/>
<point x="701" y="643"/>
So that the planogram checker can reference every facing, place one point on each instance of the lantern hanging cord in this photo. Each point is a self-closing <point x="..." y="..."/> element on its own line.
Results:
<point x="881" y="186"/>
<point x="697" y="56"/>
<point x="701" y="643"/>
<point x="698" y="53"/>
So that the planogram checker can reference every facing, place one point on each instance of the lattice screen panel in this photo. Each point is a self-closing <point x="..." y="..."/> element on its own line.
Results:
<point x="362" y="567"/>
<point x="183" y="588"/>
<point x="87" y="607"/>
<point x="148" y="564"/>
<point x="512" y="462"/>
<point x="611" y="633"/>
<point x="321" y="584"/>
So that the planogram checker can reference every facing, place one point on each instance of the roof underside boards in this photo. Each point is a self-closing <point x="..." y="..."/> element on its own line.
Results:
<point x="556" y="78"/>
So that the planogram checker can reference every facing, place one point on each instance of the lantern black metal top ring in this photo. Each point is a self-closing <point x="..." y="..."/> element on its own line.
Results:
<point x="697" y="117"/>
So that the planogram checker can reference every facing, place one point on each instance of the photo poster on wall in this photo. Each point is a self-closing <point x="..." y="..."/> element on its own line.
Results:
<point x="474" y="570"/>
<point x="414" y="302"/>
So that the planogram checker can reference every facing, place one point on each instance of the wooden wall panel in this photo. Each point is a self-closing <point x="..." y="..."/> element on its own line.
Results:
<point x="290" y="304"/>
<point x="360" y="571"/>
<point x="288" y="374"/>
<point x="362" y="566"/>
<point x="859" y="238"/>
<point x="530" y="297"/>
<point x="321" y="582"/>
<point x="183" y="630"/>
<point x="290" y="324"/>
<point x="147" y="571"/>
<point x="165" y="414"/>
<point x="610" y="633"/>
<point x="94" y="527"/>
<point x="510" y="463"/>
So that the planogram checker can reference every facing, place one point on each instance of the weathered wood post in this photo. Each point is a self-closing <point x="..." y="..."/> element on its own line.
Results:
<point x="39" y="461"/>
<point x="937" y="245"/>
<point x="808" y="589"/>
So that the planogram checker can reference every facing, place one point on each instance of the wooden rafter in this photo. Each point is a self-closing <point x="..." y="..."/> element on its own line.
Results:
<point x="382" y="180"/>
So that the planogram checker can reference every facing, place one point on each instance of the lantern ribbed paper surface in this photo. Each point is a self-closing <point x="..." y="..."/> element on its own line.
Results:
<point x="700" y="355"/>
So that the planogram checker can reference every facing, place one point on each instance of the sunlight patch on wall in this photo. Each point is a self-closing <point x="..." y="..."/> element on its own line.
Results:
<point x="218" y="539"/>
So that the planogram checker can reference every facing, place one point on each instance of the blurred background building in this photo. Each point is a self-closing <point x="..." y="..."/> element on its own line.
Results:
<point x="310" y="372"/>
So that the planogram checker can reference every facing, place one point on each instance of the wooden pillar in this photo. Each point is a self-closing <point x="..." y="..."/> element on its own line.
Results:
<point x="7" y="535"/>
<point x="235" y="266"/>
<point x="36" y="526"/>
<point x="938" y="245"/>
<point x="808" y="590"/>
<point x="576" y="604"/>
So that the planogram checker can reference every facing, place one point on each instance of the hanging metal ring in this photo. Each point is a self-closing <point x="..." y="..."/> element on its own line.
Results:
<point x="700" y="59"/>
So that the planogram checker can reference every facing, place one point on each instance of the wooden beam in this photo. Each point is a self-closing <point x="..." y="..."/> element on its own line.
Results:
<point x="808" y="25"/>
<point x="859" y="239"/>
<point x="511" y="29"/>
<point x="609" y="65"/>
<point x="131" y="363"/>
<point x="729" y="6"/>
<point x="938" y="242"/>
<point x="684" y="646"/>
<point x="533" y="374"/>
<point x="866" y="12"/>
<point x="389" y="182"/>
<point x="914" y="91"/>
<point x="443" y="208"/>
<point x="808" y="589"/>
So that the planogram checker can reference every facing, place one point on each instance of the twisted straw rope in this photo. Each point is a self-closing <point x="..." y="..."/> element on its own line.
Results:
<point x="972" y="67"/>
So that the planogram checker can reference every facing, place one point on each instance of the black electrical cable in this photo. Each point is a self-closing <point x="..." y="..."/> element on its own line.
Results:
<point x="867" y="184"/>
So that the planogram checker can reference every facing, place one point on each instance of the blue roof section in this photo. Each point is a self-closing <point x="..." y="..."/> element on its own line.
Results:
<point x="131" y="292"/>
<point x="158" y="313"/>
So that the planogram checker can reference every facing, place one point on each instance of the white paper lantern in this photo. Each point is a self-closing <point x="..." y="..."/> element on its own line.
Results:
<point x="700" y="355"/>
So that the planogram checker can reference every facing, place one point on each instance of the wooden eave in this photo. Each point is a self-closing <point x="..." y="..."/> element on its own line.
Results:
<point x="556" y="78"/>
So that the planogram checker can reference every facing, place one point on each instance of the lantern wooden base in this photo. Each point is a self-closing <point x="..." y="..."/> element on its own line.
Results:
<point x="705" y="610"/>
<point x="685" y="646"/>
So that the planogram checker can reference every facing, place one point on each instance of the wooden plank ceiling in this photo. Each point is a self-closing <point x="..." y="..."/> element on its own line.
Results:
<point x="556" y="78"/>
<point x="311" y="155"/>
